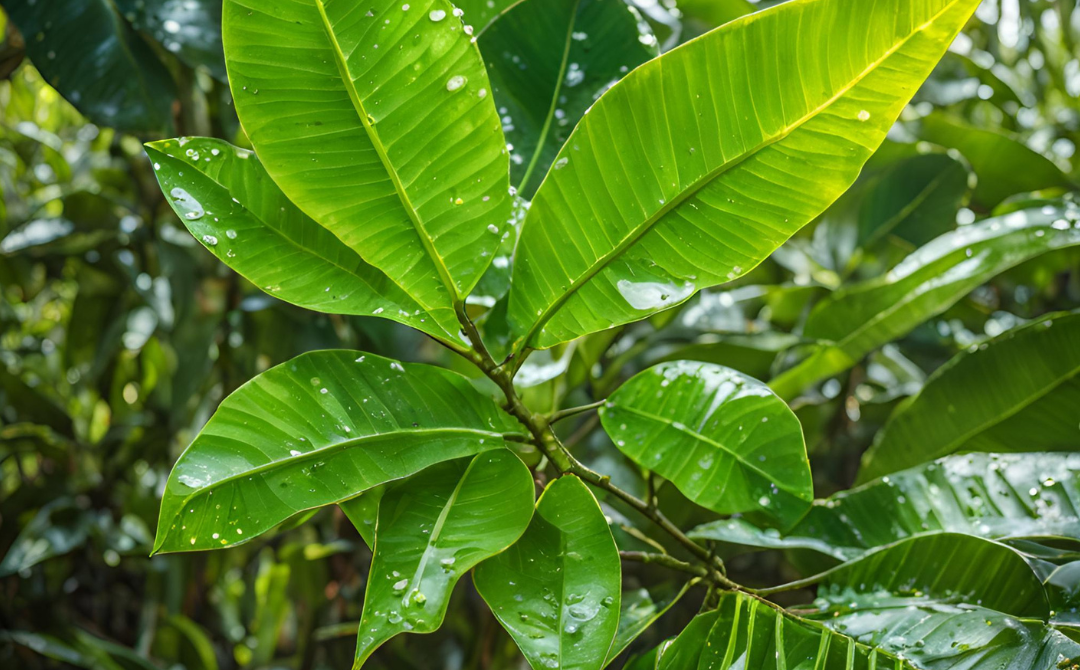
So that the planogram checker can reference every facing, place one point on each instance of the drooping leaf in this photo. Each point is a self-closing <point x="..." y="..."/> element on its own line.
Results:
<point x="556" y="591"/>
<point x="433" y="528"/>
<point x="683" y="175"/>
<point x="725" y="440"/>
<point x="228" y="202"/>
<point x="856" y="320"/>
<point x="1005" y="166"/>
<point x="1019" y="392"/>
<point x="640" y="609"/>
<point x="757" y="635"/>
<point x="189" y="28"/>
<point x="549" y="60"/>
<point x="315" y="431"/>
<point x="378" y="122"/>
<point x="72" y="43"/>
<point x="995" y="496"/>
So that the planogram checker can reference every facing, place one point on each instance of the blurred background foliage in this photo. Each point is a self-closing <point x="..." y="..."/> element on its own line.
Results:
<point x="120" y="334"/>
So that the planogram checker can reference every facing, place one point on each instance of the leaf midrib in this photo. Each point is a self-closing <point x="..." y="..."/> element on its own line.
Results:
<point x="638" y="232"/>
<point x="380" y="149"/>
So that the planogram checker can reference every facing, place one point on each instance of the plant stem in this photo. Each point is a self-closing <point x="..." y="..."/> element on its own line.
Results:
<point x="574" y="411"/>
<point x="665" y="561"/>
<point x="548" y="443"/>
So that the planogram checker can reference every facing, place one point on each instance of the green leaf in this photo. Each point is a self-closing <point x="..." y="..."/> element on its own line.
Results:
<point x="996" y="496"/>
<point x="683" y="175"/>
<point x="479" y="13"/>
<point x="1018" y="392"/>
<point x="1005" y="166"/>
<point x="56" y="529"/>
<point x="747" y="632"/>
<point x="228" y="202"/>
<point x="939" y="568"/>
<point x="556" y="591"/>
<point x="855" y="320"/>
<point x="549" y="60"/>
<point x="639" y="610"/>
<point x="72" y="44"/>
<point x="315" y="431"/>
<point x="191" y="29"/>
<point x="433" y="528"/>
<point x="363" y="513"/>
<point x="725" y="440"/>
<point x="377" y="121"/>
<point x="946" y="637"/>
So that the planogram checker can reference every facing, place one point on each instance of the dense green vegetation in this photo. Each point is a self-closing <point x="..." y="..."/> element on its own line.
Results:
<point x="567" y="333"/>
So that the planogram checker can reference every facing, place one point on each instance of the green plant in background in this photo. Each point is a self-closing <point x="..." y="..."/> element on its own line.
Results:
<point x="549" y="190"/>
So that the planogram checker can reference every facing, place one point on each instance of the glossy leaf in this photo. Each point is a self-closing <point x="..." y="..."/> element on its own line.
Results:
<point x="699" y="164"/>
<point x="315" y="431"/>
<point x="549" y="60"/>
<point x="945" y="636"/>
<point x="724" y="439"/>
<point x="1019" y="392"/>
<point x="556" y="591"/>
<point x="941" y="568"/>
<point x="228" y="202"/>
<point x="378" y="122"/>
<point x="363" y="513"/>
<point x="480" y="13"/>
<point x="191" y="29"/>
<point x="856" y="320"/>
<point x="995" y="496"/>
<point x="70" y="43"/>
<point x="750" y="633"/>
<point x="433" y="528"/>
<point x="1005" y="166"/>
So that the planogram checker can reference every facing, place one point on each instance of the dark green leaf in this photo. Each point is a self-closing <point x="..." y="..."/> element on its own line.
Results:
<point x="556" y="591"/>
<point x="1019" y="392"/>
<point x="189" y="28"/>
<point x="639" y="610"/>
<point x="724" y="439"/>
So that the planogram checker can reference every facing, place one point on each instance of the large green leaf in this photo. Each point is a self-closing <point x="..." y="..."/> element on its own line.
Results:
<point x="556" y="591"/>
<point x="228" y="202"/>
<point x="724" y="439"/>
<point x="73" y="43"/>
<point x="699" y="164"/>
<point x="1005" y="166"/>
<point x="315" y="431"/>
<point x="941" y="636"/>
<point x="377" y="120"/>
<point x="433" y="528"/>
<point x="479" y="13"/>
<point x="549" y="60"/>
<point x="856" y="320"/>
<point x="189" y="28"/>
<point x="1001" y="496"/>
<point x="639" y="610"/>
<point x="1019" y="392"/>
<point x="752" y="634"/>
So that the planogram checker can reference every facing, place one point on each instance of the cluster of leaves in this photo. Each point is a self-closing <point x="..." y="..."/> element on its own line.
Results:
<point x="549" y="191"/>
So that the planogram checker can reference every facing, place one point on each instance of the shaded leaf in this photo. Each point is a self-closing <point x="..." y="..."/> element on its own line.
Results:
<point x="72" y="43"/>
<point x="724" y="439"/>
<point x="699" y="164"/>
<point x="856" y="320"/>
<point x="228" y="202"/>
<point x="191" y="29"/>
<point x="363" y="513"/>
<point x="556" y="591"/>
<point x="1018" y="392"/>
<point x="639" y="610"/>
<point x="378" y="122"/>
<point x="549" y="60"/>
<point x="315" y="431"/>
<point x="433" y="528"/>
